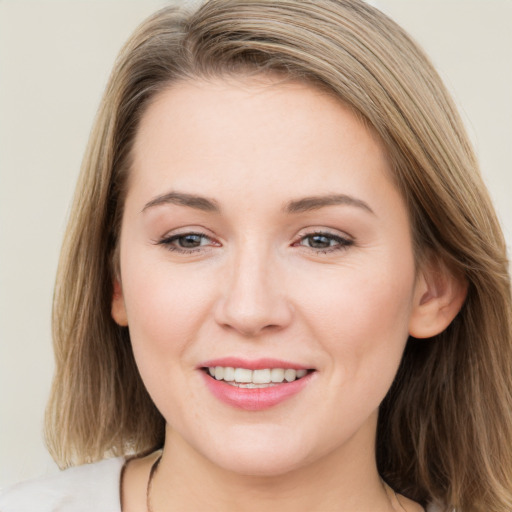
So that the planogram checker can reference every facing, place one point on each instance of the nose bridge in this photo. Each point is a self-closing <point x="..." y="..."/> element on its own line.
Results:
<point x="254" y="298"/>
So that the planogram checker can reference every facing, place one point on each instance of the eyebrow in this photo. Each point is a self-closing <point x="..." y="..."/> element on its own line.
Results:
<point x="316" y="202"/>
<point x="182" y="199"/>
<point x="305" y="204"/>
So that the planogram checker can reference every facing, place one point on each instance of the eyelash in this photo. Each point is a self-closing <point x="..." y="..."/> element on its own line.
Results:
<point x="167" y="242"/>
<point x="342" y="243"/>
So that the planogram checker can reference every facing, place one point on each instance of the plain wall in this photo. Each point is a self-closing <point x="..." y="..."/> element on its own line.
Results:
<point x="55" y="57"/>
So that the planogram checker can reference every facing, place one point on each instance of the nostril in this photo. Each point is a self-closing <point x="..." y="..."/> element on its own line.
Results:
<point x="252" y="305"/>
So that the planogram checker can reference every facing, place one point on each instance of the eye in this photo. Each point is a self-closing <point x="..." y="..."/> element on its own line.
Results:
<point x="324" y="242"/>
<point x="187" y="242"/>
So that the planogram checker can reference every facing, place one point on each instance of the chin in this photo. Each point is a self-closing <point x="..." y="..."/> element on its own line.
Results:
<point x="261" y="452"/>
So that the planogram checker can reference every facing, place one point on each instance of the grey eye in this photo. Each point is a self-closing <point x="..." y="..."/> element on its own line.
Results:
<point x="324" y="242"/>
<point x="320" y="241"/>
<point x="190" y="241"/>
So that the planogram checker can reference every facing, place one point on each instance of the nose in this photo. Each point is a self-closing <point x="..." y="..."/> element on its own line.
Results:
<point x="253" y="300"/>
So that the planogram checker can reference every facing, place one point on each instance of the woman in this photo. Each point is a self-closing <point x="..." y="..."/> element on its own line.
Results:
<point x="283" y="283"/>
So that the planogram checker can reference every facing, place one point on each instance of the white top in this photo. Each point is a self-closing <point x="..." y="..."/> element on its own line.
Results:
<point x="88" y="488"/>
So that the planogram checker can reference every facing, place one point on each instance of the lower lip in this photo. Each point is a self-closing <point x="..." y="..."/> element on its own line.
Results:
<point x="255" y="399"/>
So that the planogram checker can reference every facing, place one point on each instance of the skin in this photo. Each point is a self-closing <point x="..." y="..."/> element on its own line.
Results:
<point x="258" y="285"/>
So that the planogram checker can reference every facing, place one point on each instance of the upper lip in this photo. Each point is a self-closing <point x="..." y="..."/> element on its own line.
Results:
<point x="253" y="364"/>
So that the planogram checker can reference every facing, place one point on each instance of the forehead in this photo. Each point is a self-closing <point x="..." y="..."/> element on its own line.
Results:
<point x="242" y="134"/>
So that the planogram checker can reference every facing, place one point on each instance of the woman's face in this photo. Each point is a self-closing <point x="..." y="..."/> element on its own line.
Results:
<point x="262" y="233"/>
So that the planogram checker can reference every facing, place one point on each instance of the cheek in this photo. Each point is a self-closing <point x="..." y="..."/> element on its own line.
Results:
<point x="166" y="312"/>
<point x="361" y="316"/>
<point x="166" y="307"/>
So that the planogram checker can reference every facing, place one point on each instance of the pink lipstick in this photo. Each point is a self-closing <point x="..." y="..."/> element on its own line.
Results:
<point x="254" y="385"/>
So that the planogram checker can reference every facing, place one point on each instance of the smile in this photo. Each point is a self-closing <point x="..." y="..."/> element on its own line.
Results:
<point x="252" y="379"/>
<point x="255" y="385"/>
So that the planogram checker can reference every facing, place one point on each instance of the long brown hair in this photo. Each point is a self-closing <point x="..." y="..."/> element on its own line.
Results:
<point x="445" y="427"/>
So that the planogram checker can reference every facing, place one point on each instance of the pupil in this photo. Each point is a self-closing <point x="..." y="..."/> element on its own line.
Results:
<point x="319" y="241"/>
<point x="189" y="241"/>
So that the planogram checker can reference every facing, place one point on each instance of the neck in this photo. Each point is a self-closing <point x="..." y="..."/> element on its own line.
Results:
<point x="345" y="479"/>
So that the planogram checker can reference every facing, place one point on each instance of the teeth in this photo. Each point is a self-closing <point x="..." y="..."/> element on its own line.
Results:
<point x="277" y="374"/>
<point x="261" y="376"/>
<point x="251" y="385"/>
<point x="242" y="375"/>
<point x="229" y="374"/>
<point x="290" y="375"/>
<point x="255" y="378"/>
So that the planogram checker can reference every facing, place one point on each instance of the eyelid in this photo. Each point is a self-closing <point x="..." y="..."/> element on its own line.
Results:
<point x="167" y="240"/>
<point x="194" y="229"/>
<point x="344" y="239"/>
<point x="323" y="230"/>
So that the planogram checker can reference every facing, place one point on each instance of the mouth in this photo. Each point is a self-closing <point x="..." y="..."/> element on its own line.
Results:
<point x="255" y="385"/>
<point x="255" y="379"/>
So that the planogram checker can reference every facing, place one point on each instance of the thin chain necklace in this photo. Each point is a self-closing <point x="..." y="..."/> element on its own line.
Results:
<point x="391" y="498"/>
<point x="150" y="482"/>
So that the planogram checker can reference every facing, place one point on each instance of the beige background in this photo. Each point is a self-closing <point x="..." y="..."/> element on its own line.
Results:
<point x="55" y="57"/>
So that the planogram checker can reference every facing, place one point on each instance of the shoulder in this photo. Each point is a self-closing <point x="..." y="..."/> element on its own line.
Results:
<point x="87" y="488"/>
